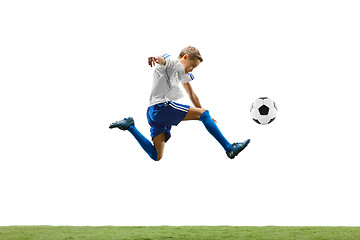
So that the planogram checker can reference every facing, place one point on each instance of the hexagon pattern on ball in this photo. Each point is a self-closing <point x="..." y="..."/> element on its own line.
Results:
<point x="263" y="110"/>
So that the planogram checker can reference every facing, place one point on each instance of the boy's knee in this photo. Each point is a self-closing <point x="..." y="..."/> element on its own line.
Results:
<point x="153" y="155"/>
<point x="200" y="112"/>
<point x="204" y="114"/>
<point x="158" y="155"/>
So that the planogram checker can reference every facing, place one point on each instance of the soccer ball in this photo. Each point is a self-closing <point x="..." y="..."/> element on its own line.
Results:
<point x="263" y="110"/>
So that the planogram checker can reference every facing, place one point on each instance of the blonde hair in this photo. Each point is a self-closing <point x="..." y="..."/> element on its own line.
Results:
<point x="193" y="53"/>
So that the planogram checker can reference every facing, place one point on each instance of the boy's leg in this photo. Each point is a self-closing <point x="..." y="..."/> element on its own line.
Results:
<point x="194" y="113"/>
<point x="144" y="142"/>
<point x="159" y="145"/>
<point x="204" y="116"/>
<point x="128" y="124"/>
<point x="232" y="150"/>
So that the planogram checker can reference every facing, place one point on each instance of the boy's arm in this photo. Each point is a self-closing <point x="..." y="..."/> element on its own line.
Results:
<point x="159" y="60"/>
<point x="193" y="97"/>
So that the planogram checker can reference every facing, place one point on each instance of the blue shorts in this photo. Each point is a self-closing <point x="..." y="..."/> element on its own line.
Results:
<point x="164" y="115"/>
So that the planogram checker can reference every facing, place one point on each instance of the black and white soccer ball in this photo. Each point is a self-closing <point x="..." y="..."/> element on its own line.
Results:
<point x="263" y="110"/>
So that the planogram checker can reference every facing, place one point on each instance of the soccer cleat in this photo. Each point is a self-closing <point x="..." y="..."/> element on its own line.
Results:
<point x="123" y="124"/>
<point x="236" y="148"/>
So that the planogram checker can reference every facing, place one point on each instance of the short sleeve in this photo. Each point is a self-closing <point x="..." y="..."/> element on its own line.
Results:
<point x="191" y="76"/>
<point x="186" y="78"/>
<point x="168" y="61"/>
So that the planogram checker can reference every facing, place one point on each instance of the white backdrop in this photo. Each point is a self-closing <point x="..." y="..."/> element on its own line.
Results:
<point x="70" y="68"/>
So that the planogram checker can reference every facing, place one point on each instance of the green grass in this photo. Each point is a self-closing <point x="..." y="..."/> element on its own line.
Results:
<point x="186" y="232"/>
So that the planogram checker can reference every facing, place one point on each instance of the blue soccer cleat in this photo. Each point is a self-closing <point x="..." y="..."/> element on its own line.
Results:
<point x="236" y="148"/>
<point x="123" y="124"/>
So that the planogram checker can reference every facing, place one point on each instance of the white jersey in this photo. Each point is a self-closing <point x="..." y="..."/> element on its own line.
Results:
<point x="166" y="81"/>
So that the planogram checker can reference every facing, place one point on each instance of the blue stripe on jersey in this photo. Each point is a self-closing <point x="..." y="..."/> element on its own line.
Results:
<point x="191" y="76"/>
<point x="165" y="55"/>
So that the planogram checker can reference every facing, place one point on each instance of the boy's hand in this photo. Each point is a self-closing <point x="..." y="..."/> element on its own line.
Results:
<point x="152" y="61"/>
<point x="159" y="60"/>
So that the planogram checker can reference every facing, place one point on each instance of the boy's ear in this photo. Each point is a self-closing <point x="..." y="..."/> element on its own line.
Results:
<point x="185" y="56"/>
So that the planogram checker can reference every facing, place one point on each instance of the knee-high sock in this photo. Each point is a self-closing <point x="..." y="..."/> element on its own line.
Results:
<point x="144" y="142"/>
<point x="212" y="128"/>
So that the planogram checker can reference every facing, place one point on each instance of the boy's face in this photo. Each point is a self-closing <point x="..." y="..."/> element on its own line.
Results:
<point x="188" y="64"/>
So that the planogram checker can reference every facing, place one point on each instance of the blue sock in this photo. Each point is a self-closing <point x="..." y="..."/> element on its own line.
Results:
<point x="144" y="142"/>
<point x="212" y="128"/>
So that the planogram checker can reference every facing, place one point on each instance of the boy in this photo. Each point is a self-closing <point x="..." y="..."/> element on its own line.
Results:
<point x="163" y="112"/>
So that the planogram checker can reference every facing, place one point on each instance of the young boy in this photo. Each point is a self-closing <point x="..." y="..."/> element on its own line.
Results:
<point x="163" y="112"/>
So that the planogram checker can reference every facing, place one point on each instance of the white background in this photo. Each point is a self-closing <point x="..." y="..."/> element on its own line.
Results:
<point x="70" y="68"/>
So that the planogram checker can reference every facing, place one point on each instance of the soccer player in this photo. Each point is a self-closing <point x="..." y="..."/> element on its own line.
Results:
<point x="163" y="112"/>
